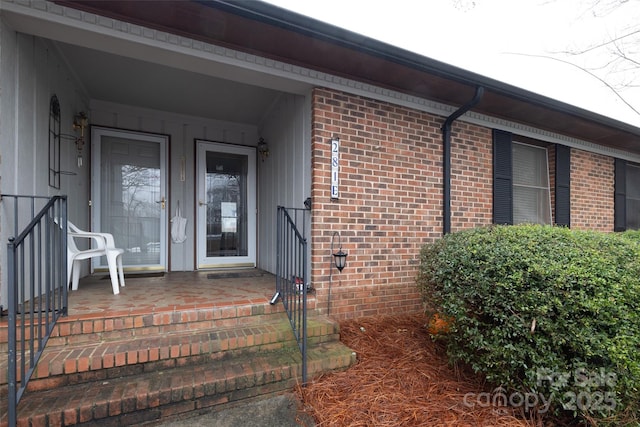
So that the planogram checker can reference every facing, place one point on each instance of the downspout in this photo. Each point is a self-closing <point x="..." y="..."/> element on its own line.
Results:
<point x="446" y="160"/>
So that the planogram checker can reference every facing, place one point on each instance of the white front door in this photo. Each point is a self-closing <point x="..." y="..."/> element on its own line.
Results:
<point x="129" y="187"/>
<point x="226" y="219"/>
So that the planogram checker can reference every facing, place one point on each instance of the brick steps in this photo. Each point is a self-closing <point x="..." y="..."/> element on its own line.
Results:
<point x="62" y="365"/>
<point x="71" y="330"/>
<point x="132" y="369"/>
<point x="110" y="342"/>
<point x="74" y="329"/>
<point x="145" y="397"/>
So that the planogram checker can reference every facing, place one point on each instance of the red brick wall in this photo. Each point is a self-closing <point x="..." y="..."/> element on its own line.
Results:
<point x="592" y="187"/>
<point x="471" y="176"/>
<point x="390" y="201"/>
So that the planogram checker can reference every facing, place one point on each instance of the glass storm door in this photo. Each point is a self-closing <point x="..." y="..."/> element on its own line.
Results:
<point x="129" y="195"/>
<point x="226" y="218"/>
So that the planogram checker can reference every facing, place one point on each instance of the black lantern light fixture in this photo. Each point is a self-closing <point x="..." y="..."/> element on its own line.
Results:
<point x="339" y="259"/>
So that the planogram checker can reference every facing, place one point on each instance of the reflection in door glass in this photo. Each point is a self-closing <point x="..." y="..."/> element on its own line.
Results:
<point x="226" y="194"/>
<point x="130" y="198"/>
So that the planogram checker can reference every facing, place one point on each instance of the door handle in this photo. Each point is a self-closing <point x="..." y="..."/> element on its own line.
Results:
<point x="201" y="203"/>
<point x="162" y="202"/>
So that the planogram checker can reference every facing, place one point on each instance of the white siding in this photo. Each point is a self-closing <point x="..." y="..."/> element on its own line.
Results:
<point x="31" y="72"/>
<point x="284" y="178"/>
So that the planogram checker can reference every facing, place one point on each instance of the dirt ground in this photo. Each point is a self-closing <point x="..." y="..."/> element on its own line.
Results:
<point x="402" y="378"/>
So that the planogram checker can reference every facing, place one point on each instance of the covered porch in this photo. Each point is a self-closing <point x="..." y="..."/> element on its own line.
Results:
<point x="164" y="131"/>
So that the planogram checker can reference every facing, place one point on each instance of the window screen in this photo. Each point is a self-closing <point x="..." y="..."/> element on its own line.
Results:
<point x="531" y="198"/>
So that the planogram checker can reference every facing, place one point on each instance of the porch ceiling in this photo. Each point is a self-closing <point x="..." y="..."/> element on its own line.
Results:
<point x="125" y="80"/>
<point x="263" y="29"/>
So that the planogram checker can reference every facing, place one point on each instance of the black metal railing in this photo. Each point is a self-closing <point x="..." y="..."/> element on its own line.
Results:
<point x="37" y="284"/>
<point x="292" y="280"/>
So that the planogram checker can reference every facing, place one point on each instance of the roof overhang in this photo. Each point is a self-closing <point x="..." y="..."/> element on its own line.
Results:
<point x="263" y="29"/>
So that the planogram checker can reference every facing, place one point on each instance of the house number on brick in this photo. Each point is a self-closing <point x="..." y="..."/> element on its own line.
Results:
<point x="335" y="166"/>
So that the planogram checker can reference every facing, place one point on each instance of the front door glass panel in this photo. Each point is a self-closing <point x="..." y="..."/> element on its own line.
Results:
<point x="226" y="206"/>
<point x="226" y="211"/>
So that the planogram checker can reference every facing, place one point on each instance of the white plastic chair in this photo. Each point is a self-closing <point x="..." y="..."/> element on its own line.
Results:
<point x="103" y="245"/>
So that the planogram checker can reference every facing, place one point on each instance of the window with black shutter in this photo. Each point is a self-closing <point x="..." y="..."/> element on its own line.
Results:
<point x="502" y="187"/>
<point x="521" y="188"/>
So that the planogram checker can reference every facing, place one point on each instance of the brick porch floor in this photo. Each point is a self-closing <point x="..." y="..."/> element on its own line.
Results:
<point x="170" y="292"/>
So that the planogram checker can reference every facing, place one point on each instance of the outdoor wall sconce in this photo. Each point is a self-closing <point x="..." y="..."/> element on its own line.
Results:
<point x="339" y="259"/>
<point x="263" y="149"/>
<point x="80" y="122"/>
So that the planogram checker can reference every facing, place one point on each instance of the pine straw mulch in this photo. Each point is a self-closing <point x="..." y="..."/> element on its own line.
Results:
<point x="402" y="378"/>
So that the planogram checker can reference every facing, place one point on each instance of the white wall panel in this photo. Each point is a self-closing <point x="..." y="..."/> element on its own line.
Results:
<point x="26" y="109"/>
<point x="8" y="111"/>
<point x="284" y="178"/>
<point x="31" y="71"/>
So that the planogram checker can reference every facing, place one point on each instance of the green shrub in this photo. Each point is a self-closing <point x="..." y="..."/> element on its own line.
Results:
<point x="543" y="311"/>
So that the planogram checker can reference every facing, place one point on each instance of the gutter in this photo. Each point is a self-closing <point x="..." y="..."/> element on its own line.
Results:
<point x="446" y="158"/>
<point x="311" y="27"/>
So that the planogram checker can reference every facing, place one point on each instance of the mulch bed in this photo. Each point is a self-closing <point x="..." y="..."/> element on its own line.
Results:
<point x="402" y="378"/>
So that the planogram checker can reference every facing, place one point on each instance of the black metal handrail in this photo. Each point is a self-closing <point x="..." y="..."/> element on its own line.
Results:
<point x="37" y="286"/>
<point x="292" y="280"/>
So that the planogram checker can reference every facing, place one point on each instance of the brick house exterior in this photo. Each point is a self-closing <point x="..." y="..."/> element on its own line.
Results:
<point x="386" y="106"/>
<point x="238" y="116"/>
<point x="391" y="204"/>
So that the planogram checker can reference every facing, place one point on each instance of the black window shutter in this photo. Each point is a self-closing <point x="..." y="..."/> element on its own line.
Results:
<point x="502" y="178"/>
<point x="620" y="196"/>
<point x="563" y="185"/>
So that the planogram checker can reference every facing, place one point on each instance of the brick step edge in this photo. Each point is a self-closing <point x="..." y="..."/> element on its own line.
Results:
<point x="145" y="397"/>
<point x="72" y="331"/>
<point x="86" y="328"/>
<point x="59" y="366"/>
